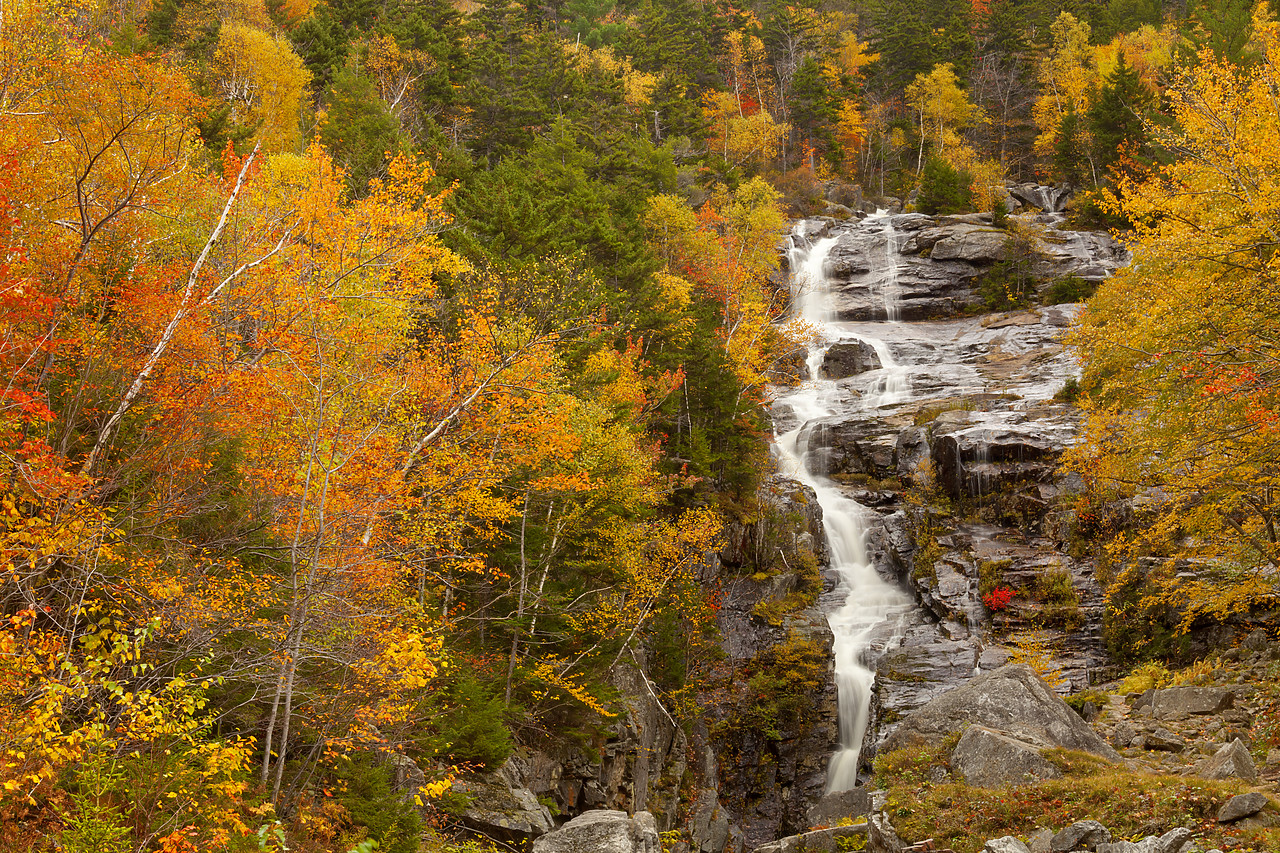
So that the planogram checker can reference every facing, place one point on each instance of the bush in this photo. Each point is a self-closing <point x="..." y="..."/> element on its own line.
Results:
<point x="1072" y="288"/>
<point x="944" y="188"/>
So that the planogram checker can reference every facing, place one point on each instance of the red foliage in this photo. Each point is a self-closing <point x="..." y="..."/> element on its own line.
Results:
<point x="998" y="599"/>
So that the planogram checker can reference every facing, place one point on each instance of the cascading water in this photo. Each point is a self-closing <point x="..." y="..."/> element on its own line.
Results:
<point x="867" y="599"/>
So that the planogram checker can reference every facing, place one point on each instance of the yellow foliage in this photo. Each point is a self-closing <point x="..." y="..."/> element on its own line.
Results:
<point x="1068" y="78"/>
<point x="263" y="80"/>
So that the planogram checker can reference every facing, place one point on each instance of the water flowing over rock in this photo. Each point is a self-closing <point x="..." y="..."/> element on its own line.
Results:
<point x="951" y="401"/>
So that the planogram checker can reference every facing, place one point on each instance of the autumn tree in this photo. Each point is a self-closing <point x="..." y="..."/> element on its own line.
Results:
<point x="1179" y="350"/>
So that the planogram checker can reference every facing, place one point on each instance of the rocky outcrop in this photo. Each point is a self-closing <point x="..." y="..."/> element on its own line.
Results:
<point x="1179" y="703"/>
<point x="1012" y="700"/>
<point x="603" y="831"/>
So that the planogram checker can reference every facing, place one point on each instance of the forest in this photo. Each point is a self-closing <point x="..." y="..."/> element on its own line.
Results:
<point x="380" y="373"/>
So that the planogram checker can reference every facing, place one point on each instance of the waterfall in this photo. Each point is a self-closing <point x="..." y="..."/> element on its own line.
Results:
<point x="867" y="599"/>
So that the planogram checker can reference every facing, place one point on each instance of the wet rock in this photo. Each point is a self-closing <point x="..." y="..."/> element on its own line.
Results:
<point x="603" y="831"/>
<point x="842" y="805"/>
<point x="1046" y="198"/>
<point x="1011" y="699"/>
<point x="991" y="759"/>
<point x="1232" y="761"/>
<point x="843" y="360"/>
<point x="1242" y="806"/>
<point x="1081" y="835"/>
<point x="974" y="245"/>
<point x="1179" y="703"/>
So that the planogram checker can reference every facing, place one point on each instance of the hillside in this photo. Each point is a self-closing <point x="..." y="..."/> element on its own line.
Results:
<point x="425" y="423"/>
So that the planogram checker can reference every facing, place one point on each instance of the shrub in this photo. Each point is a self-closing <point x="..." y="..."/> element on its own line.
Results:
<point x="1071" y="288"/>
<point x="998" y="599"/>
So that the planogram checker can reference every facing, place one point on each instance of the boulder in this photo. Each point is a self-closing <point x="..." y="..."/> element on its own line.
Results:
<point x="1011" y="699"/>
<point x="1242" y="806"/>
<point x="1232" y="761"/>
<point x="1171" y="842"/>
<point x="827" y="840"/>
<point x="1179" y="703"/>
<point x="991" y="759"/>
<point x="1081" y="835"/>
<point x="1039" y="840"/>
<point x="842" y="805"/>
<point x="847" y="359"/>
<point x="1008" y="844"/>
<point x="1165" y="741"/>
<point x="501" y="807"/>
<point x="603" y="831"/>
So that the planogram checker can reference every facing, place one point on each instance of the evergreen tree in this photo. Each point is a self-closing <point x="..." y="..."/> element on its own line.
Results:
<point x="1115" y="119"/>
<point x="944" y="188"/>
<point x="1223" y="26"/>
<point x="358" y="130"/>
<point x="1069" y="151"/>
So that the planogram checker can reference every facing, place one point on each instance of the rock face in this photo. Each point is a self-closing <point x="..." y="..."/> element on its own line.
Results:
<point x="989" y="759"/>
<point x="843" y="805"/>
<point x="818" y="841"/>
<point x="1011" y="700"/>
<point x="603" y="831"/>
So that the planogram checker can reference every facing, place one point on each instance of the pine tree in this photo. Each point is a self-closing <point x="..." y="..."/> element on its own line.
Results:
<point x="1115" y="119"/>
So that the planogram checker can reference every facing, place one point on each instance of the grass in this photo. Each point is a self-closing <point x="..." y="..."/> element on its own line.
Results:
<point x="1131" y="804"/>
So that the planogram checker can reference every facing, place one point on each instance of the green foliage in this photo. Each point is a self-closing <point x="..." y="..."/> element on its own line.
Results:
<point x="991" y="575"/>
<point x="95" y="822"/>
<point x="358" y="131"/>
<point x="1000" y="214"/>
<point x="1069" y="392"/>
<point x="1077" y="701"/>
<point x="1069" y="160"/>
<point x="944" y="188"/>
<point x="785" y="680"/>
<point x="1011" y="283"/>
<point x="1056" y="591"/>
<point x="1115" y="119"/>
<point x="467" y="723"/>
<point x="391" y="820"/>
<point x="1069" y="288"/>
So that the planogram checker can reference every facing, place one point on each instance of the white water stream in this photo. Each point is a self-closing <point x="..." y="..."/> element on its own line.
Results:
<point x="868" y="600"/>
